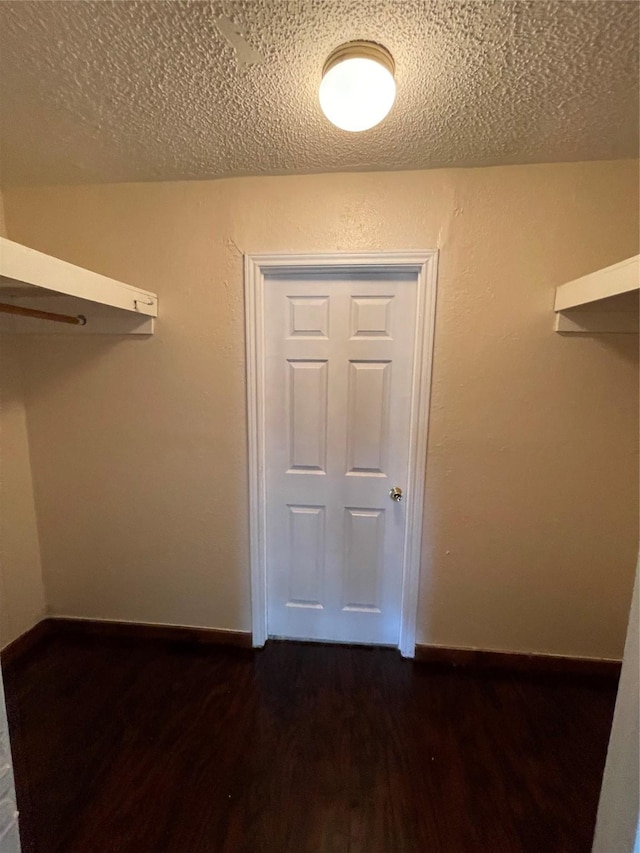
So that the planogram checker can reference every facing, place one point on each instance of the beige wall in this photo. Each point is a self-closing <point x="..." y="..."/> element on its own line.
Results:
<point x="138" y="446"/>
<point x="21" y="589"/>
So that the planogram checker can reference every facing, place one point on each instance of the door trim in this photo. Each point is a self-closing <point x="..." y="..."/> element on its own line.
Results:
<point x="256" y="267"/>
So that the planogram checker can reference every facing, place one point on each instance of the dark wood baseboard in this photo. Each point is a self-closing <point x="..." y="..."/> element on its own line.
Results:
<point x="439" y="655"/>
<point x="517" y="661"/>
<point x="54" y="626"/>
<point x="25" y="643"/>
<point x="144" y="631"/>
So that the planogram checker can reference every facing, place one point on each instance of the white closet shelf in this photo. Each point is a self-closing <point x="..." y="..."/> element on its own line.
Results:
<point x="36" y="281"/>
<point x="603" y="301"/>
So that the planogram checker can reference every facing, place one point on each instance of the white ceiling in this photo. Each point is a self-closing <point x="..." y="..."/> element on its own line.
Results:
<point x="143" y="90"/>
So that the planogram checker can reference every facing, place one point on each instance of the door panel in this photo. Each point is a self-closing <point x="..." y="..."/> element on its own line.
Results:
<point x="309" y="316"/>
<point x="368" y="417"/>
<point x="306" y="555"/>
<point x="339" y="356"/>
<point x="363" y="559"/>
<point x="307" y="408"/>
<point x="371" y="317"/>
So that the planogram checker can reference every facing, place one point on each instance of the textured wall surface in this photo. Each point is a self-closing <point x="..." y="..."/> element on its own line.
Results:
<point x="139" y="446"/>
<point x="97" y="91"/>
<point x="21" y="588"/>
<point x="22" y="601"/>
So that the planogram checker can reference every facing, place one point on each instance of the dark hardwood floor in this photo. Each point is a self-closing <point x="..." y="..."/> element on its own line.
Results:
<point x="137" y="746"/>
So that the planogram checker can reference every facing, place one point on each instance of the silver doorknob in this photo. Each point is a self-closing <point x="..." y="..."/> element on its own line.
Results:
<point x="395" y="493"/>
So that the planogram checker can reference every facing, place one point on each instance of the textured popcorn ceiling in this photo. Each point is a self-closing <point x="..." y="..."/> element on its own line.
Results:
<point x="142" y="90"/>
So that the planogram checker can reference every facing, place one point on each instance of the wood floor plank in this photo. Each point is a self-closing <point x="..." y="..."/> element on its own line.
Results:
<point x="129" y="746"/>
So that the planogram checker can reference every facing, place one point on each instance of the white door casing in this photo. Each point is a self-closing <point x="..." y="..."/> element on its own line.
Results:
<point x="339" y="362"/>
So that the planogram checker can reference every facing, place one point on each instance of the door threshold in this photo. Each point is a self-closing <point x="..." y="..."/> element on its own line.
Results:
<point x="347" y="643"/>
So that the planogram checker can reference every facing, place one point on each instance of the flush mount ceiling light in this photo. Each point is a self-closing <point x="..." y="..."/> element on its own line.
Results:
<point x="358" y="88"/>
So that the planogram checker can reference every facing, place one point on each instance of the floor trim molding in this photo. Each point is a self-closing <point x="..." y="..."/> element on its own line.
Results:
<point x="23" y="644"/>
<point x="516" y="661"/>
<point x="55" y="626"/>
<point x="438" y="655"/>
<point x="150" y="631"/>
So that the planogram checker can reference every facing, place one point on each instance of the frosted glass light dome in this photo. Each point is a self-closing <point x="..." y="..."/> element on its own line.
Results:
<point x="358" y="88"/>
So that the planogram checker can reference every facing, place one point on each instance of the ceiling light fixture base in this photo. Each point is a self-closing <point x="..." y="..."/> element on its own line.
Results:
<point x="360" y="50"/>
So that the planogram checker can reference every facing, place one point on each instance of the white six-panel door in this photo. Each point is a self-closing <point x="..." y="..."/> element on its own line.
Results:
<point x="339" y="364"/>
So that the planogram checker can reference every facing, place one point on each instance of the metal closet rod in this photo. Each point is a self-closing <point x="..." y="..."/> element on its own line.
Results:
<point x="79" y="320"/>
